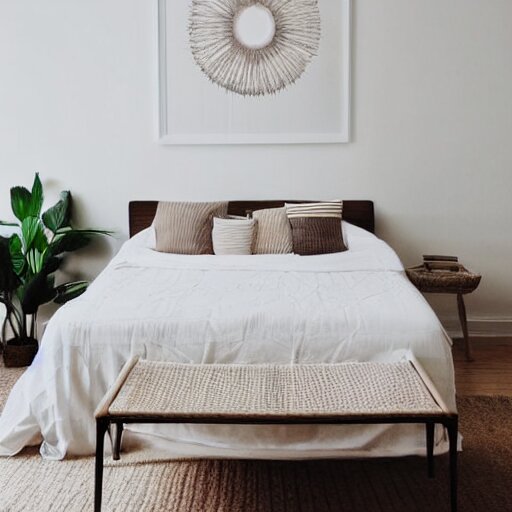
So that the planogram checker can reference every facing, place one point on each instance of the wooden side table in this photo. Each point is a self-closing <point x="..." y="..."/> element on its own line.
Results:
<point x="444" y="274"/>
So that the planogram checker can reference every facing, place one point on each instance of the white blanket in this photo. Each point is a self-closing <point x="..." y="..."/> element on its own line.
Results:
<point x="356" y="306"/>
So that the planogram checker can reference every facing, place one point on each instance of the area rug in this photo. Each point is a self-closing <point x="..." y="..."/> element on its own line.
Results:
<point x="27" y="483"/>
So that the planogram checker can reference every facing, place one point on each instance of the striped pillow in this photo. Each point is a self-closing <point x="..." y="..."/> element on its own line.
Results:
<point x="186" y="228"/>
<point x="332" y="209"/>
<point x="233" y="236"/>
<point x="316" y="227"/>
<point x="273" y="232"/>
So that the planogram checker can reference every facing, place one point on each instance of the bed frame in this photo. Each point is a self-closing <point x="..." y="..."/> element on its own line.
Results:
<point x="360" y="213"/>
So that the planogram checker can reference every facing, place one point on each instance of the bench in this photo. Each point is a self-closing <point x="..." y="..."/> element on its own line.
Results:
<point x="346" y="393"/>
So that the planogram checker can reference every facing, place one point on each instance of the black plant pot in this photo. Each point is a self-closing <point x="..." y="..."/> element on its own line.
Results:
<point x="19" y="353"/>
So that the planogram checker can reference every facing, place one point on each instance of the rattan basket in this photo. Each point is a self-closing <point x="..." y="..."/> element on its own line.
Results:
<point x="435" y="279"/>
<point x="19" y="356"/>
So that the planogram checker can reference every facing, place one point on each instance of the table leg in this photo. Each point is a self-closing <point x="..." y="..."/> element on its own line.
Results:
<point x="430" y="428"/>
<point x="464" y="325"/>
<point x="101" y="429"/>
<point x="453" y="429"/>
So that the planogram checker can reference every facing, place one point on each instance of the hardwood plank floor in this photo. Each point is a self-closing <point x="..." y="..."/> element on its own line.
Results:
<point x="491" y="371"/>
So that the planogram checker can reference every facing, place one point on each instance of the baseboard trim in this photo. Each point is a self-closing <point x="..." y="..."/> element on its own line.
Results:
<point x="487" y="327"/>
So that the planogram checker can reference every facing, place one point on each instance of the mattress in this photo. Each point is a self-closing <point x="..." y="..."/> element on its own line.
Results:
<point x="286" y="309"/>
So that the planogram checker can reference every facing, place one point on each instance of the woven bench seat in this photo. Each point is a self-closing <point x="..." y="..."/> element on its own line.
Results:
<point x="351" y="389"/>
<point x="347" y="393"/>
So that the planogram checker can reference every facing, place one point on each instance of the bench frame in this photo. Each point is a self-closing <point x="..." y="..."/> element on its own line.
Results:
<point x="105" y="421"/>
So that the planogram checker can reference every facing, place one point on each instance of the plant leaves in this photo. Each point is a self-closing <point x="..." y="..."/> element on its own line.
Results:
<point x="59" y="215"/>
<point x="68" y="242"/>
<point x="27" y="204"/>
<point x="41" y="263"/>
<point x="20" y="202"/>
<point x="92" y="232"/>
<point x="51" y="265"/>
<point x="38" y="291"/>
<point x="70" y="291"/>
<point x="5" y="223"/>
<point x="16" y="252"/>
<point x="33" y="235"/>
<point x="8" y="279"/>
<point x="69" y="239"/>
<point x="35" y="260"/>
<point x="37" y="197"/>
<point x="40" y="288"/>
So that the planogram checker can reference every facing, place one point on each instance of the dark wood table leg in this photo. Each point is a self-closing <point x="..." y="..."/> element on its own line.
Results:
<point x="430" y="428"/>
<point x="116" y="446"/>
<point x="464" y="325"/>
<point x="453" y="430"/>
<point x="101" y="429"/>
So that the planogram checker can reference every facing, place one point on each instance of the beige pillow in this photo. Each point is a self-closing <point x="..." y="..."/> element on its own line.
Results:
<point x="232" y="236"/>
<point x="273" y="232"/>
<point x="186" y="228"/>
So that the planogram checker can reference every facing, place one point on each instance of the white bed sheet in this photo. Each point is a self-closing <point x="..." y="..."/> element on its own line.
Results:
<point x="352" y="306"/>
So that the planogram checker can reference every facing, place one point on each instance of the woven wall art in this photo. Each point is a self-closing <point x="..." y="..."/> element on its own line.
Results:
<point x="254" y="71"/>
<point x="289" y="40"/>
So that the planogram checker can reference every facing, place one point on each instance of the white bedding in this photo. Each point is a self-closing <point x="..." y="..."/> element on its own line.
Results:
<point x="356" y="306"/>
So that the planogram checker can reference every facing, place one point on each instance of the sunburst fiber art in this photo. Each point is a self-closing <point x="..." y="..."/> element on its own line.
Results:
<point x="254" y="47"/>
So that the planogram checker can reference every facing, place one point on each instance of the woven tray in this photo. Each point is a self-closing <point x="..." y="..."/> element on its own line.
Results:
<point x="433" y="279"/>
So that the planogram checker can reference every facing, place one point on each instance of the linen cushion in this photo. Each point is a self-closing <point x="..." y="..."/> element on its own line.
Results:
<point x="186" y="228"/>
<point x="316" y="227"/>
<point x="273" y="232"/>
<point x="233" y="236"/>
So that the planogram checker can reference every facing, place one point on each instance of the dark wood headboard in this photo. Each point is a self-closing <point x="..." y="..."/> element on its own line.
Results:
<point x="360" y="213"/>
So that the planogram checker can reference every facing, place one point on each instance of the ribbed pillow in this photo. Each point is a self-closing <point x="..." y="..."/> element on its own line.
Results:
<point x="316" y="227"/>
<point x="273" y="232"/>
<point x="186" y="228"/>
<point x="233" y="236"/>
<point x="332" y="209"/>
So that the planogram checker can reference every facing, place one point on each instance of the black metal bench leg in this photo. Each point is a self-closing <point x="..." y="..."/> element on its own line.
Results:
<point x="116" y="445"/>
<point x="452" y="436"/>
<point x="101" y="429"/>
<point x="430" y="428"/>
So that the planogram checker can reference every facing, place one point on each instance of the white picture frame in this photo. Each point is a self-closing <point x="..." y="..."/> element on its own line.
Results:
<point x="170" y="132"/>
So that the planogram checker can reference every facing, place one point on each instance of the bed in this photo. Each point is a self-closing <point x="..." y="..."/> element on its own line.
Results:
<point x="352" y="306"/>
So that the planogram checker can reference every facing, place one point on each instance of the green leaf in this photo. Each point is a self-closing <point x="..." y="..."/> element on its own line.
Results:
<point x="8" y="279"/>
<point x="51" y="264"/>
<point x="35" y="260"/>
<point x="38" y="291"/>
<point x="27" y="204"/>
<point x="68" y="242"/>
<point x="33" y="235"/>
<point x="59" y="215"/>
<point x="37" y="197"/>
<point x="20" y="202"/>
<point x="16" y="253"/>
<point x="92" y="232"/>
<point x="5" y="223"/>
<point x="70" y="291"/>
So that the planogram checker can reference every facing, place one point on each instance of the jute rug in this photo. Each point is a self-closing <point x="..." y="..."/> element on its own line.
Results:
<point x="27" y="483"/>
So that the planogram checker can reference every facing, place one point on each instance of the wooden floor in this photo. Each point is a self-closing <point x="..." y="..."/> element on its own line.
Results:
<point x="491" y="371"/>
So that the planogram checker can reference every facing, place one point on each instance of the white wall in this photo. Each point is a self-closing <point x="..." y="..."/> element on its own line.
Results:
<point x="432" y="111"/>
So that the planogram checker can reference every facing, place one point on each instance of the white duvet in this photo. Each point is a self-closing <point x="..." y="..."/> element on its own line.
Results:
<point x="357" y="306"/>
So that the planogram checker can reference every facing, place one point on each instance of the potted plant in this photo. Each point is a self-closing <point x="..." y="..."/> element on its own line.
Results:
<point x="29" y="260"/>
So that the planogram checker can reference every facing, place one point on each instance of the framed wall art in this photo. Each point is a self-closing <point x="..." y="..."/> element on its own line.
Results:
<point x="254" y="71"/>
